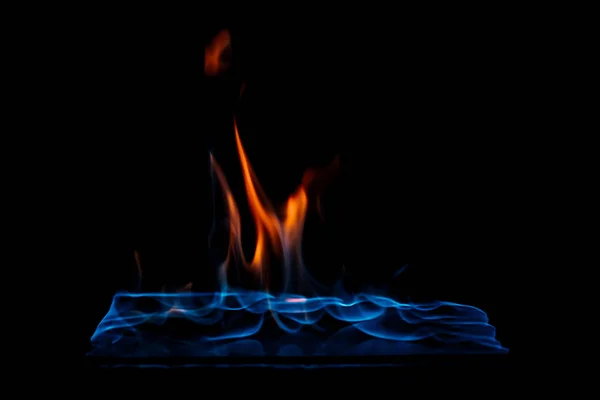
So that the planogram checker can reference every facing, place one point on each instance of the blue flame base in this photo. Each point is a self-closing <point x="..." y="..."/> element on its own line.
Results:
<point x="260" y="324"/>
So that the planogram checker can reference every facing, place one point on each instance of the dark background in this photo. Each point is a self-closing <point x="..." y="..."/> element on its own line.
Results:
<point x="420" y="112"/>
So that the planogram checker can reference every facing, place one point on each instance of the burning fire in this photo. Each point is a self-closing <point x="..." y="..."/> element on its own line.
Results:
<point x="229" y="321"/>
<point x="278" y="234"/>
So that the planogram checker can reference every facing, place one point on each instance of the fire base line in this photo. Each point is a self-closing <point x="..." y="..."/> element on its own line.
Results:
<point x="257" y="324"/>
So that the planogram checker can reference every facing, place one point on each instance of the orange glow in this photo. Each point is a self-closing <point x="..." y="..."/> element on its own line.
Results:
<point x="214" y="63"/>
<point x="235" y="224"/>
<point x="265" y="218"/>
<point x="277" y="233"/>
<point x="316" y="180"/>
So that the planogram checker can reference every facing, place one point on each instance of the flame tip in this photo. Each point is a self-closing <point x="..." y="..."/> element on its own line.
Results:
<point x="214" y="52"/>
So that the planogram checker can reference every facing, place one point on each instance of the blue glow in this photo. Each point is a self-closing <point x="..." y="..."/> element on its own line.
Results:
<point x="253" y="323"/>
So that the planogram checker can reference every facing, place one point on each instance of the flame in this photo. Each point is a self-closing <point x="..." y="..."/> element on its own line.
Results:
<point x="264" y="216"/>
<point x="235" y="224"/>
<point x="394" y="328"/>
<point x="214" y="62"/>
<point x="278" y="234"/>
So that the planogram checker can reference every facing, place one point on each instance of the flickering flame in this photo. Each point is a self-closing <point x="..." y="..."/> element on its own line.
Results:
<point x="235" y="225"/>
<point x="370" y="324"/>
<point x="277" y="233"/>
<point x="214" y="62"/>
<point x="267" y="222"/>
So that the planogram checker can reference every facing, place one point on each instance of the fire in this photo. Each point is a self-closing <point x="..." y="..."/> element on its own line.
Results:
<point x="214" y="62"/>
<point x="265" y="218"/>
<point x="277" y="233"/>
<point x="384" y="324"/>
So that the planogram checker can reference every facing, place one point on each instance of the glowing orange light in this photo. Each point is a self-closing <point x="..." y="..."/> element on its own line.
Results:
<point x="214" y="62"/>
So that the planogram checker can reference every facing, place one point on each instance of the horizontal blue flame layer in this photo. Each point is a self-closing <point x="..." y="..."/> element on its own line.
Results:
<point x="251" y="323"/>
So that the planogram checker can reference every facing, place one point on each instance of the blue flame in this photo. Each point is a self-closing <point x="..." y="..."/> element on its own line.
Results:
<point x="253" y="323"/>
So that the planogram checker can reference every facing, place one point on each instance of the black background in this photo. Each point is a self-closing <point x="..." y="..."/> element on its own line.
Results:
<point x="420" y="111"/>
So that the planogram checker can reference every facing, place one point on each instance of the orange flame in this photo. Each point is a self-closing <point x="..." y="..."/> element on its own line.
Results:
<point x="214" y="62"/>
<point x="235" y="224"/>
<point x="279" y="234"/>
